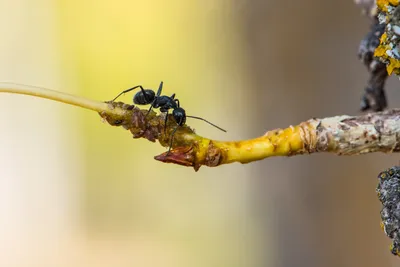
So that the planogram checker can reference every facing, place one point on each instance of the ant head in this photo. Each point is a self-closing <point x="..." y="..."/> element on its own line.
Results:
<point x="179" y="115"/>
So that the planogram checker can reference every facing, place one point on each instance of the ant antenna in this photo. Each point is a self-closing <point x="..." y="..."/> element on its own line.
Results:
<point x="128" y="90"/>
<point x="194" y="117"/>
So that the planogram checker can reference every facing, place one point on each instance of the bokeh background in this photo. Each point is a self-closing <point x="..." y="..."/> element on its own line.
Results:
<point x="77" y="192"/>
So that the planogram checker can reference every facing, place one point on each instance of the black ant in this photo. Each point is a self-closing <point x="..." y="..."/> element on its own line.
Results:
<point x="164" y="103"/>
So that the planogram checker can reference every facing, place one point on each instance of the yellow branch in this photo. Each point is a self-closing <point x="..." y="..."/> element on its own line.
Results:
<point x="343" y="135"/>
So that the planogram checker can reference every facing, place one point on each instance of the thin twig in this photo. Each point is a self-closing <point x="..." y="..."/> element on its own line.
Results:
<point x="57" y="96"/>
<point x="343" y="135"/>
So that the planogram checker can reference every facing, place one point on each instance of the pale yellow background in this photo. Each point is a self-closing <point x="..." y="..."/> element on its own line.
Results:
<point x="77" y="192"/>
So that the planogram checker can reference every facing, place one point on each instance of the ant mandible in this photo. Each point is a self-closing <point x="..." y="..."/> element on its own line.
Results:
<point x="164" y="103"/>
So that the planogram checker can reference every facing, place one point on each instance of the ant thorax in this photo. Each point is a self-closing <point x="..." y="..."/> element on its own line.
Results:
<point x="164" y="103"/>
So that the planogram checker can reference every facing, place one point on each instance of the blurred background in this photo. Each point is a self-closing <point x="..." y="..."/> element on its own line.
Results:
<point x="76" y="192"/>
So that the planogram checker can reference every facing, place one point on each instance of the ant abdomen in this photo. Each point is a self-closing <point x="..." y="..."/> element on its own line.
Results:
<point x="144" y="97"/>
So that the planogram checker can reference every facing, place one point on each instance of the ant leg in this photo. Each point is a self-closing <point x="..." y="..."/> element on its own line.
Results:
<point x="165" y="122"/>
<point x="128" y="90"/>
<point x="151" y="107"/>
<point x="158" y="94"/>
<point x="160" y="89"/>
<point x="172" y="139"/>
<point x="177" y="102"/>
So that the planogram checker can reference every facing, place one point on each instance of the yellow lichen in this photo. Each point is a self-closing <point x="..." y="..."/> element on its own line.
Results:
<point x="394" y="250"/>
<point x="394" y="2"/>
<point x="393" y="64"/>
<point x="380" y="51"/>
<point x="383" y="4"/>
